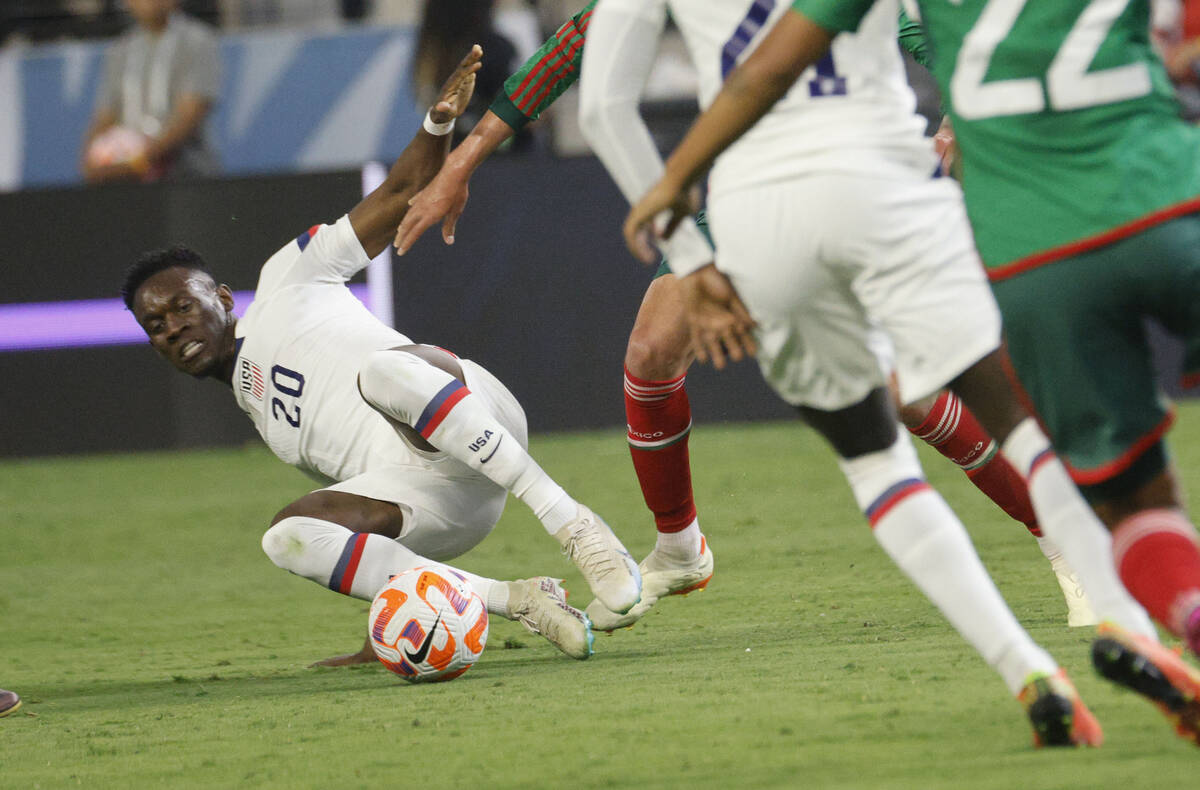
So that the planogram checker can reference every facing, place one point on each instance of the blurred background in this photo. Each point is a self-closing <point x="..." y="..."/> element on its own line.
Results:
<point x="539" y="286"/>
<point x="264" y="114"/>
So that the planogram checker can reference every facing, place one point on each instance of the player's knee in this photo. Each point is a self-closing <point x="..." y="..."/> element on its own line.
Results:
<point x="282" y="542"/>
<point x="657" y="356"/>
<point x="382" y="379"/>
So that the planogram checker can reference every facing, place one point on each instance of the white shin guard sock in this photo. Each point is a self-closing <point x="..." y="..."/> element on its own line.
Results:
<point x="357" y="564"/>
<point x="445" y="412"/>
<point x="923" y="536"/>
<point x="1066" y="519"/>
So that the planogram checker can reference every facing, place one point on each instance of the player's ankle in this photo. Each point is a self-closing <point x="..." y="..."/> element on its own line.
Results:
<point x="681" y="545"/>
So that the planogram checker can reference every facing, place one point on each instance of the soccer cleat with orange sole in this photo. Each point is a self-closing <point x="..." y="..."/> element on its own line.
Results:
<point x="660" y="578"/>
<point x="1058" y="715"/>
<point x="1156" y="672"/>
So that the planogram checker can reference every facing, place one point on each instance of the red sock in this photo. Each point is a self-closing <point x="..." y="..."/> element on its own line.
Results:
<point x="659" y="419"/>
<point x="1158" y="559"/>
<point x="953" y="431"/>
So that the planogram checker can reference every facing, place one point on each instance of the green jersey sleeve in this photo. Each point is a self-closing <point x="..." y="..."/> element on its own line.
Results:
<point x="547" y="73"/>
<point x="912" y="39"/>
<point x="834" y="15"/>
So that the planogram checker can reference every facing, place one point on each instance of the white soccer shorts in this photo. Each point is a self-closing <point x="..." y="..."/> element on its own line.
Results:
<point x="849" y="275"/>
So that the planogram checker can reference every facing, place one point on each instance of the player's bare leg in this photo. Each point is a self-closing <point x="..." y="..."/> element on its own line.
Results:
<point x="930" y="545"/>
<point x="944" y="423"/>
<point x="658" y="422"/>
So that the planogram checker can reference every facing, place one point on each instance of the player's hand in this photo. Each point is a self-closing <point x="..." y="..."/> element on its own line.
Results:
<point x="719" y="323"/>
<point x="444" y="198"/>
<point x="457" y="90"/>
<point x="643" y="218"/>
<point x="945" y="145"/>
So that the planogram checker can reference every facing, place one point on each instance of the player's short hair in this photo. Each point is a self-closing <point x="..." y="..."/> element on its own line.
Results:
<point x="153" y="262"/>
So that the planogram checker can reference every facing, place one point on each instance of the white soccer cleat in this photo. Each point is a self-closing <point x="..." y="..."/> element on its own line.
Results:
<point x="660" y="577"/>
<point x="540" y="604"/>
<point x="1079" y="609"/>
<point x="605" y="564"/>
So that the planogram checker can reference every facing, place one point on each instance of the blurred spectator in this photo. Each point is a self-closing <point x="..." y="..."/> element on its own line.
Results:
<point x="50" y="20"/>
<point x="448" y="29"/>
<point x="279" y="13"/>
<point x="161" y="81"/>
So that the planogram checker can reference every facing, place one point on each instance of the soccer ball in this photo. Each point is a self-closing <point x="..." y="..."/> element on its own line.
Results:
<point x="427" y="624"/>
<point x="115" y="145"/>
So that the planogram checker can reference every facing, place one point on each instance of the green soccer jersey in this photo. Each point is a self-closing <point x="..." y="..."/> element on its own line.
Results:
<point x="1069" y="129"/>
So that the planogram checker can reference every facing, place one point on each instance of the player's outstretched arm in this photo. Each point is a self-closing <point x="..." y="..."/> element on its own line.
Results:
<point x="527" y="93"/>
<point x="446" y="196"/>
<point x="794" y="44"/>
<point x="375" y="219"/>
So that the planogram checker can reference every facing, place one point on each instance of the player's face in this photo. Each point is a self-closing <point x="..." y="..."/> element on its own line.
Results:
<point x="189" y="320"/>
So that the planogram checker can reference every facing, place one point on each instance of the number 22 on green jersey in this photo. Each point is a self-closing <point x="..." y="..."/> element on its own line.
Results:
<point x="1067" y="84"/>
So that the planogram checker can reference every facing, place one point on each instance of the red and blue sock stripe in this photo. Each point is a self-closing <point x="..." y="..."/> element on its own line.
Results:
<point x="1038" y="460"/>
<point x="892" y="497"/>
<point x="437" y="409"/>
<point x="347" y="565"/>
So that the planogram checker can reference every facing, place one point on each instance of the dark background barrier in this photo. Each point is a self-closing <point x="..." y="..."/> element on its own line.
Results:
<point x="538" y="287"/>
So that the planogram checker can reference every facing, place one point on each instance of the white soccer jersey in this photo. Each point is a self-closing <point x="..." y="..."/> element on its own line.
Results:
<point x="300" y="345"/>
<point x="851" y="112"/>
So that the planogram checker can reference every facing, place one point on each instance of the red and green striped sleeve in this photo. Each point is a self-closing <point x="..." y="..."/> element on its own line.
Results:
<point x="549" y="72"/>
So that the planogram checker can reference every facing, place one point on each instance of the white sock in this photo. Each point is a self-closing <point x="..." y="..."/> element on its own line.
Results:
<point x="682" y="546"/>
<point x="1066" y="519"/>
<point x="924" y="537"/>
<point x="443" y="410"/>
<point x="357" y="564"/>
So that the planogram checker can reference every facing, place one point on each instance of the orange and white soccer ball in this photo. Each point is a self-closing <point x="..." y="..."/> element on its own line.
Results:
<point x="427" y="624"/>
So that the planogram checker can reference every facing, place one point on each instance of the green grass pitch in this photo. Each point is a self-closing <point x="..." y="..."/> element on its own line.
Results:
<point x="156" y="646"/>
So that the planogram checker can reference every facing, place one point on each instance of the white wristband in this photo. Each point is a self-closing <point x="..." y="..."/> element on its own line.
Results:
<point x="437" y="129"/>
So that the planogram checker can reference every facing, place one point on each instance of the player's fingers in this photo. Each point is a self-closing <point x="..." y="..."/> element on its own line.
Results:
<point x="732" y="345"/>
<point x="698" y="349"/>
<point x="411" y="227"/>
<point x="746" y="338"/>
<point x="448" y="227"/>
<point x="638" y="240"/>
<point x="713" y="349"/>
<point x="472" y="59"/>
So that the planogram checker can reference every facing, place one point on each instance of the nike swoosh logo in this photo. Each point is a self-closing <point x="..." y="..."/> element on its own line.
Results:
<point x="423" y="651"/>
<point x="493" y="452"/>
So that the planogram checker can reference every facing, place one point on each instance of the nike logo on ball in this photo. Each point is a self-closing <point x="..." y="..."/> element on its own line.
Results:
<point x="423" y="650"/>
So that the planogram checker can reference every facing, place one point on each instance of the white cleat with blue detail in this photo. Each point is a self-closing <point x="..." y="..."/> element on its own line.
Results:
<point x="540" y="604"/>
